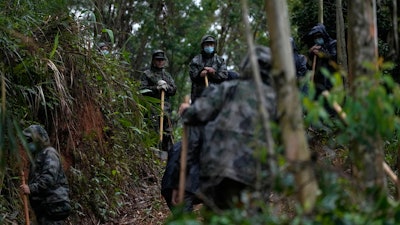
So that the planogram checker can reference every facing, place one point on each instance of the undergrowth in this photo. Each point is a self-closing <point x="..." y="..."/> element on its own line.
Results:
<point x="371" y="111"/>
<point x="87" y="102"/>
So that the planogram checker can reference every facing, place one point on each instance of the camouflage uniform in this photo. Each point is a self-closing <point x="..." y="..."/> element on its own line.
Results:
<point x="196" y="132"/>
<point x="233" y="134"/>
<point x="47" y="182"/>
<point x="149" y="81"/>
<point x="325" y="60"/>
<point x="206" y="60"/>
<point x="300" y="62"/>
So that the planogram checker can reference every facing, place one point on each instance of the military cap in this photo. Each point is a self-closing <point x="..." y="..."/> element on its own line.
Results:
<point x="158" y="54"/>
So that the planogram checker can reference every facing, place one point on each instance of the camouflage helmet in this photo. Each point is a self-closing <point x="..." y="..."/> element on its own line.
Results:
<point x="208" y="38"/>
<point x="158" y="54"/>
<point x="37" y="134"/>
<point x="264" y="59"/>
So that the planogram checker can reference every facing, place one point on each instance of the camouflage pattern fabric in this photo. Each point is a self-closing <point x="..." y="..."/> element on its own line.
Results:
<point x="197" y="65"/>
<point x="46" y="221"/>
<point x="327" y="59"/>
<point x="48" y="185"/>
<point x="149" y="81"/>
<point x="233" y="131"/>
<point x="47" y="181"/>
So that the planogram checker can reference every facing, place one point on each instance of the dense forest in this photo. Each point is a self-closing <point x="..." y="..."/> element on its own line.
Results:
<point x="53" y="74"/>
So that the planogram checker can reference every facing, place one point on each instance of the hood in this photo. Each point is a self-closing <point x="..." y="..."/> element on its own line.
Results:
<point x="264" y="59"/>
<point x="319" y="28"/>
<point x="294" y="47"/>
<point x="38" y="135"/>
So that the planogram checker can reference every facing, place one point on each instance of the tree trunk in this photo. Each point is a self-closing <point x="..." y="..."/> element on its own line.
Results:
<point x="321" y="11"/>
<point x="289" y="107"/>
<point x="367" y="156"/>
<point x="362" y="38"/>
<point x="262" y="103"/>
<point x="395" y="30"/>
<point x="341" y="38"/>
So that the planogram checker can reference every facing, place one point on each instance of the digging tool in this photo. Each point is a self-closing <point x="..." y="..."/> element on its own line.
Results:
<point x="162" y="117"/>
<point x="25" y="200"/>
<point x="206" y="80"/>
<point x="336" y="107"/>
<point x="182" y="172"/>
<point x="314" y="63"/>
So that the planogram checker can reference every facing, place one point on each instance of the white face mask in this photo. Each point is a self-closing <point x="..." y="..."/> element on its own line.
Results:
<point x="105" y="52"/>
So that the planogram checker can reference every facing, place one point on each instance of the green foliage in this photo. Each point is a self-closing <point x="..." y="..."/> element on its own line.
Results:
<point x="304" y="15"/>
<point x="177" y="28"/>
<point x="372" y="111"/>
<point x="49" y="75"/>
<point x="52" y="68"/>
<point x="337" y="204"/>
<point x="11" y="164"/>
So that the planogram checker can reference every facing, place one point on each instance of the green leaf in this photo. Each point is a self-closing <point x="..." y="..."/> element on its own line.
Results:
<point x="55" y="46"/>
<point x="110" y="34"/>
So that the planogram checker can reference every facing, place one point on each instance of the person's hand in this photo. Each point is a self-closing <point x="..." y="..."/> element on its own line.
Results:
<point x="210" y="70"/>
<point x="162" y="84"/>
<point x="315" y="49"/>
<point x="25" y="189"/>
<point x="175" y="197"/>
<point x="203" y="73"/>
<point x="183" y="107"/>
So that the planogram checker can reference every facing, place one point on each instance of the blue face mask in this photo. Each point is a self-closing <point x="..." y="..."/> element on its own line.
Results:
<point x="319" y="41"/>
<point x="209" y="49"/>
<point x="32" y="147"/>
<point x="105" y="52"/>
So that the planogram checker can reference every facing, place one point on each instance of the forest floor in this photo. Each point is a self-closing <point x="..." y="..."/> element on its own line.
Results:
<point x="143" y="204"/>
<point x="146" y="206"/>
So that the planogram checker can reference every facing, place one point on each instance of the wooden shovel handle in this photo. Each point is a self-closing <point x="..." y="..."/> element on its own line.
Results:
<point x="162" y="115"/>
<point x="182" y="172"/>
<point x="25" y="200"/>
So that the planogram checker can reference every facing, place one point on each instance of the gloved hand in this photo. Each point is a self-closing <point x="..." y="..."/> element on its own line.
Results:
<point x="161" y="84"/>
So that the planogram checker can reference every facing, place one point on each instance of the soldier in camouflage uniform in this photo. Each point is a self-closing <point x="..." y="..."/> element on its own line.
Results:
<point x="206" y="64"/>
<point x="47" y="184"/>
<point x="233" y="133"/>
<point x="209" y="64"/>
<point x="153" y="81"/>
